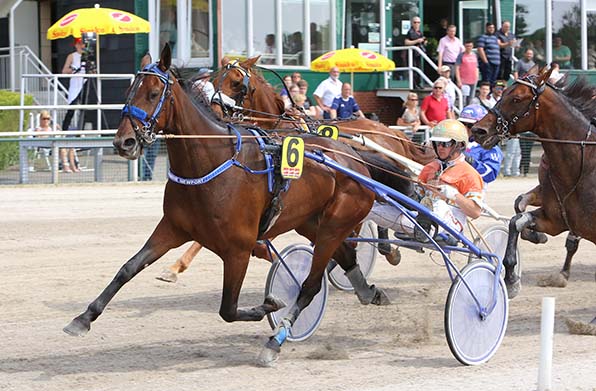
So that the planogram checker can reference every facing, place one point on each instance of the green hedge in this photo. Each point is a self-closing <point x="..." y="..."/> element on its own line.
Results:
<point x="9" y="122"/>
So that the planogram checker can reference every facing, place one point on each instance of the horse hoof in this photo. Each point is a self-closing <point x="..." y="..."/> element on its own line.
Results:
<point x="556" y="280"/>
<point x="275" y="302"/>
<point x="533" y="236"/>
<point x="168" y="276"/>
<point x="76" y="328"/>
<point x="580" y="328"/>
<point x="381" y="298"/>
<point x="513" y="288"/>
<point x="267" y="357"/>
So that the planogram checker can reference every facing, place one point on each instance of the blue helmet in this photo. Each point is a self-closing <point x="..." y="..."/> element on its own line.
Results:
<point x="472" y="113"/>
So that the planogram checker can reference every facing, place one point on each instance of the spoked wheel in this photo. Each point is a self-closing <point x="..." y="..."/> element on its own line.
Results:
<point x="496" y="236"/>
<point x="366" y="254"/>
<point x="474" y="340"/>
<point x="285" y="283"/>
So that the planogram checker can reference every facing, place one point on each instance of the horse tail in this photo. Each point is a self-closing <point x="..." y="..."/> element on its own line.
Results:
<point x="388" y="173"/>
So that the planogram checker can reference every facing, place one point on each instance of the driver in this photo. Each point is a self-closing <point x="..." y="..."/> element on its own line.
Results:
<point x="457" y="191"/>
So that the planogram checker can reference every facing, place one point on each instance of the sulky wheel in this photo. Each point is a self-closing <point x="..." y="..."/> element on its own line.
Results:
<point x="366" y="254"/>
<point x="474" y="340"/>
<point x="496" y="237"/>
<point x="285" y="283"/>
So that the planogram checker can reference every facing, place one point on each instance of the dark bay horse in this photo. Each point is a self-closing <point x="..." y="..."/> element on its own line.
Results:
<point x="565" y="119"/>
<point x="214" y="198"/>
<point x="243" y="84"/>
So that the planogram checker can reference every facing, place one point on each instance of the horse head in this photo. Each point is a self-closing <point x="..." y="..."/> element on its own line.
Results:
<point x="148" y="106"/>
<point x="513" y="113"/>
<point x="239" y="83"/>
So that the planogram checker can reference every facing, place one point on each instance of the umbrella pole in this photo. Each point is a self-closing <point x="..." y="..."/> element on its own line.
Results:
<point x="97" y="53"/>
<point x="352" y="80"/>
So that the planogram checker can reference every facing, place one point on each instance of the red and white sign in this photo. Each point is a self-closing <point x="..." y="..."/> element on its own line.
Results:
<point x="119" y="16"/>
<point x="68" y="20"/>
<point x="368" y="55"/>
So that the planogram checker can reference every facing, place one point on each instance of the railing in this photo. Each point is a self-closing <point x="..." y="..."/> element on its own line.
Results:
<point x="55" y="103"/>
<point x="29" y="63"/>
<point x="410" y="69"/>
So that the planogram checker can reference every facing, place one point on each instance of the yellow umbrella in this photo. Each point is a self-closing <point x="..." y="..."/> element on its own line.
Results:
<point x="352" y="60"/>
<point x="97" y="20"/>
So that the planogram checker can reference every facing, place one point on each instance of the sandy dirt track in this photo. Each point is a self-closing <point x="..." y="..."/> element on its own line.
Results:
<point x="61" y="246"/>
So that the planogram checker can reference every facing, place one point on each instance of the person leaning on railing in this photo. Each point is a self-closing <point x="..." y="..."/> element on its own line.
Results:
<point x="67" y="155"/>
<point x="411" y="115"/>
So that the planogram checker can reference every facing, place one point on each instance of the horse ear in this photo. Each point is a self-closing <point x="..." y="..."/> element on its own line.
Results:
<point x="225" y="61"/>
<point x="534" y="70"/>
<point x="545" y="74"/>
<point x="247" y="64"/>
<point x="165" y="59"/>
<point x="146" y="60"/>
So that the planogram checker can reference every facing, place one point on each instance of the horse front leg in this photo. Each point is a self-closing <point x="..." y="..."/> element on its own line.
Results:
<point x="235" y="265"/>
<point x="170" y="273"/>
<point x="531" y="198"/>
<point x="163" y="238"/>
<point x="517" y="224"/>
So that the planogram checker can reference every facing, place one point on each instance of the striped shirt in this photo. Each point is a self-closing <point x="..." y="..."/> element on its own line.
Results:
<point x="490" y="44"/>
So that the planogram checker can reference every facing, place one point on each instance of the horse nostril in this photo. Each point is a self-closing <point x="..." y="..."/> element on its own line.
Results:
<point x="129" y="143"/>
<point x="479" y="131"/>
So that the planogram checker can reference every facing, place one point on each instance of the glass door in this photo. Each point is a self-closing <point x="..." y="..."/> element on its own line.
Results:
<point x="473" y="16"/>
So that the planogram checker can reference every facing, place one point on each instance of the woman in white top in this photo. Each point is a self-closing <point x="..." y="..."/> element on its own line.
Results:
<point x="67" y="155"/>
<point x="411" y="114"/>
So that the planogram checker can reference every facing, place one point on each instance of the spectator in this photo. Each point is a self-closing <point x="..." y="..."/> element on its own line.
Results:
<point x="486" y="161"/>
<point x="449" y="48"/>
<point x="202" y="84"/>
<point x="466" y="72"/>
<point x="300" y="100"/>
<point x="68" y="156"/>
<point x="148" y="161"/>
<point x="592" y="56"/>
<point x="497" y="92"/>
<point x="269" y="52"/>
<point x="449" y="91"/>
<point x="411" y="115"/>
<point x="345" y="106"/>
<point x="296" y="77"/>
<point x="561" y="54"/>
<point x="287" y="84"/>
<point x="525" y="146"/>
<point x="524" y="65"/>
<point x="442" y="29"/>
<point x="539" y="55"/>
<point x="327" y="91"/>
<point x="460" y="187"/>
<point x="484" y="99"/>
<point x="434" y="107"/>
<point x="303" y="88"/>
<point x="415" y="37"/>
<point x="76" y="92"/>
<point x="507" y="42"/>
<point x="293" y="91"/>
<point x="512" y="158"/>
<point x="489" y="53"/>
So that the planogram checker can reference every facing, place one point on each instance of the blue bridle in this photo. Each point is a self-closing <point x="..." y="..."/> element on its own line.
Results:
<point x="146" y="134"/>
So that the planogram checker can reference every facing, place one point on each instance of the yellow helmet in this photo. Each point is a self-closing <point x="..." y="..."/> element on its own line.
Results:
<point x="450" y="129"/>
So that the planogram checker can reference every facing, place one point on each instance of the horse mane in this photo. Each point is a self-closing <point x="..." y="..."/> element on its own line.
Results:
<point x="198" y="100"/>
<point x="580" y="94"/>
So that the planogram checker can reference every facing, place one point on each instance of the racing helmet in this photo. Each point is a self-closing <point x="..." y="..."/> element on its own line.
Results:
<point x="472" y="114"/>
<point x="450" y="129"/>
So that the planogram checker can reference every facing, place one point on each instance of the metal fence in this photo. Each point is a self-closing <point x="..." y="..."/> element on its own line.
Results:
<point x="40" y="162"/>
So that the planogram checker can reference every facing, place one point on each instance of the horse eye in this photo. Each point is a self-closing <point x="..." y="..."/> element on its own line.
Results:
<point x="236" y="83"/>
<point x="516" y="99"/>
<point x="154" y="94"/>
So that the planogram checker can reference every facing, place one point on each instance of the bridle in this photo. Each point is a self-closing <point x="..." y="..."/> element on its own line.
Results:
<point x="147" y="133"/>
<point x="220" y="97"/>
<point x="503" y="123"/>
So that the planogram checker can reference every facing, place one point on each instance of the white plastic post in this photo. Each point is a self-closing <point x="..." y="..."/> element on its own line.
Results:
<point x="547" y="323"/>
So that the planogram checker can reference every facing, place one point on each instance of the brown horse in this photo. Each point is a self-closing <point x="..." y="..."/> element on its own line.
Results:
<point x="564" y="118"/>
<point x="243" y="84"/>
<point x="214" y="197"/>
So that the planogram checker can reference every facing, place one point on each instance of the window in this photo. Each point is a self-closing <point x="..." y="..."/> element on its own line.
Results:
<point x="199" y="21"/>
<point x="277" y="29"/>
<point x="566" y="34"/>
<point x="168" y="27"/>
<point x="363" y="24"/>
<point x="530" y="16"/>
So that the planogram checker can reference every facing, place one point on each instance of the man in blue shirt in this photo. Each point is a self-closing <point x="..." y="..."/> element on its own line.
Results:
<point x="344" y="106"/>
<point x="490" y="55"/>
